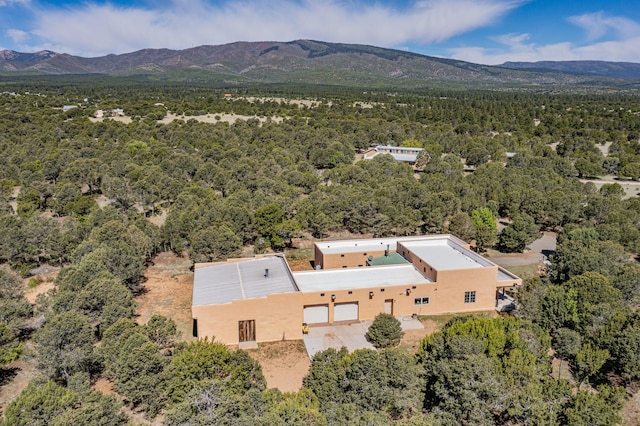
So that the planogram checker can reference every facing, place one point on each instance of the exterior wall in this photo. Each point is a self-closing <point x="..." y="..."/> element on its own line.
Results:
<point x="368" y="307"/>
<point x="420" y="264"/>
<point x="277" y="317"/>
<point x="346" y="259"/>
<point x="445" y="296"/>
<point x="453" y="284"/>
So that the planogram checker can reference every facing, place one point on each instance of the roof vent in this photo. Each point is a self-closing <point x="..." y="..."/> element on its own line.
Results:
<point x="266" y="273"/>
<point x="386" y="252"/>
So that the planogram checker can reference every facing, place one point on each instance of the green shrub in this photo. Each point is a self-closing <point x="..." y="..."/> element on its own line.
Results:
<point x="385" y="332"/>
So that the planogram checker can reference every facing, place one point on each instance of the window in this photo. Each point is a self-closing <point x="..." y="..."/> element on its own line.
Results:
<point x="469" y="297"/>
<point x="421" y="301"/>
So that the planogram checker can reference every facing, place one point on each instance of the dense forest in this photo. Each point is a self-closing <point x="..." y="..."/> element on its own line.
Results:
<point x="77" y="192"/>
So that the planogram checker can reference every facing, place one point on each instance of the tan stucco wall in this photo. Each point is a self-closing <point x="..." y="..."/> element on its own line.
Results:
<point x="445" y="296"/>
<point x="350" y="260"/>
<point x="453" y="284"/>
<point x="277" y="317"/>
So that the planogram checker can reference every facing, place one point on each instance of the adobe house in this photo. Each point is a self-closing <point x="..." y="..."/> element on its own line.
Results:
<point x="260" y="299"/>
<point x="399" y="153"/>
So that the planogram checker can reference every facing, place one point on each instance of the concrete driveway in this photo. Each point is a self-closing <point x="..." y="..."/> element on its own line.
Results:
<point x="351" y="336"/>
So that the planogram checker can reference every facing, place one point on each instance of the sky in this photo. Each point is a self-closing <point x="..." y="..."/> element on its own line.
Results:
<point x="480" y="31"/>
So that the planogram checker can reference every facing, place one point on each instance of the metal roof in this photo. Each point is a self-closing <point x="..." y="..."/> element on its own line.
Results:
<point x="408" y="158"/>
<point x="355" y="278"/>
<point x="245" y="279"/>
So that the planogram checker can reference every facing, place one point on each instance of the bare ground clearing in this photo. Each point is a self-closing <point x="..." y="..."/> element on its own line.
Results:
<point x="284" y="364"/>
<point x="631" y="188"/>
<point x="14" y="378"/>
<point x="168" y="287"/>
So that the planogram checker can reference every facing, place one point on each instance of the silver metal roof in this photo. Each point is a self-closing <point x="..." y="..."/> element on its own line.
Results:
<point x="245" y="279"/>
<point x="409" y="158"/>
<point x="355" y="278"/>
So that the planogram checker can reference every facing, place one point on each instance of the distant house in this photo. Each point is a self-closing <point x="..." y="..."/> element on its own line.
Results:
<point x="66" y="108"/>
<point x="108" y="113"/>
<point x="260" y="299"/>
<point x="399" y="153"/>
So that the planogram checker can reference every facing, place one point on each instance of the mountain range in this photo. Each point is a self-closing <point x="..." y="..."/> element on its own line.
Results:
<point x="317" y="62"/>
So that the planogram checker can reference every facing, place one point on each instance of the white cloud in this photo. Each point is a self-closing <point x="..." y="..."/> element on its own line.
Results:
<point x="18" y="36"/>
<point x="93" y="29"/>
<point x="623" y="44"/>
<point x="11" y="2"/>
<point x="598" y="25"/>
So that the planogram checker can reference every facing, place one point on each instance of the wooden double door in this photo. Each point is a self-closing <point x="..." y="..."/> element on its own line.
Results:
<point x="247" y="331"/>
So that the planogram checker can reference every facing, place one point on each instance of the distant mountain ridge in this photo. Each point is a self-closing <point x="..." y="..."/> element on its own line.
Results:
<point x="595" y="68"/>
<point x="299" y="61"/>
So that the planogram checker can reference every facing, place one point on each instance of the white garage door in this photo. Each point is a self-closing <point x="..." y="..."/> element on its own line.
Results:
<point x="316" y="314"/>
<point x="345" y="312"/>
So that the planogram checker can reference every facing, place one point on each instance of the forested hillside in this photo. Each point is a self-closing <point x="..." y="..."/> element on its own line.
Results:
<point x="80" y="193"/>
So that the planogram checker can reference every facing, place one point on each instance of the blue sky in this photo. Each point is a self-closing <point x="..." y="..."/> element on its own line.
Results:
<point x="480" y="31"/>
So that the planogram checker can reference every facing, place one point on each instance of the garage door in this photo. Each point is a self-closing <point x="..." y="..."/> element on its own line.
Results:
<point x="345" y="312"/>
<point x="316" y="314"/>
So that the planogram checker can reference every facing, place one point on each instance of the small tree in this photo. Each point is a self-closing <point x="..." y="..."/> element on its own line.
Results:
<point x="567" y="344"/>
<point x="521" y="230"/>
<point x="485" y="226"/>
<point x="385" y="332"/>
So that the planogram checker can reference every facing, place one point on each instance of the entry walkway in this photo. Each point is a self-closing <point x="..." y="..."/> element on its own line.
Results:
<point x="351" y="336"/>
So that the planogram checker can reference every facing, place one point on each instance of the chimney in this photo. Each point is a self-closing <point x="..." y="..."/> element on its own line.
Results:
<point x="266" y="273"/>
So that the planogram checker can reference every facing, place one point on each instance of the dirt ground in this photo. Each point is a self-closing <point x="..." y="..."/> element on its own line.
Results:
<point x="284" y="364"/>
<point x="14" y="378"/>
<point x="631" y="188"/>
<point x="631" y="411"/>
<point x="411" y="339"/>
<point x="168" y="287"/>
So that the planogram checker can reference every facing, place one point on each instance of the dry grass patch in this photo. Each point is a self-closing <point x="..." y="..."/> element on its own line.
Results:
<point x="168" y="289"/>
<point x="284" y="364"/>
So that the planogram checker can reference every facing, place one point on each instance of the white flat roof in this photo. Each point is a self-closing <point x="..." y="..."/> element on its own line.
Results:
<point x="398" y="157"/>
<point x="445" y="255"/>
<point x="355" y="278"/>
<point x="364" y="245"/>
<point x="245" y="279"/>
